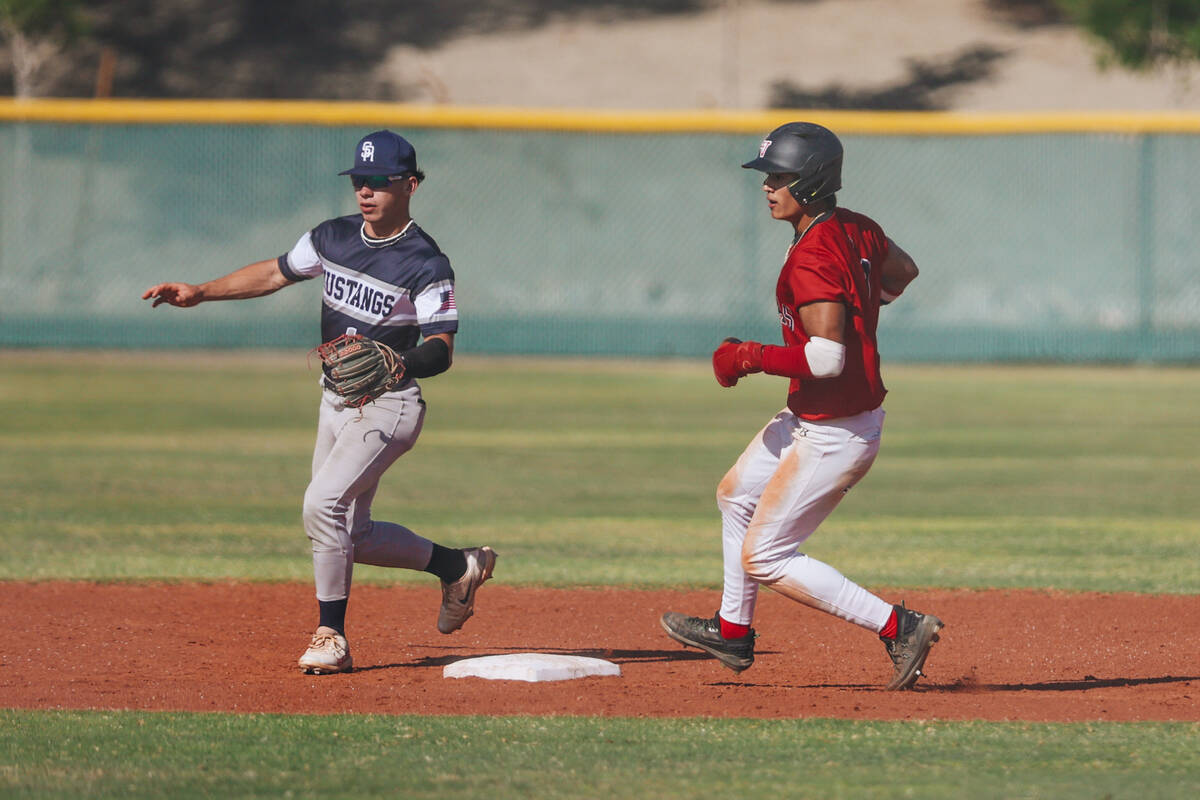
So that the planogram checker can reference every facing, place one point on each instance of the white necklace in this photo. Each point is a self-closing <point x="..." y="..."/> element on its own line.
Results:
<point x="372" y="242"/>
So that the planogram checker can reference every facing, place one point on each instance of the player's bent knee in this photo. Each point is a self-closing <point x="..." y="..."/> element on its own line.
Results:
<point x="727" y="489"/>
<point x="757" y="568"/>
<point x="320" y="524"/>
<point x="314" y="512"/>
<point x="731" y="505"/>
<point x="734" y="502"/>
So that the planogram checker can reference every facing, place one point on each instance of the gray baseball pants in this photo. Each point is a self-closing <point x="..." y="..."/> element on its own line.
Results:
<point x="352" y="452"/>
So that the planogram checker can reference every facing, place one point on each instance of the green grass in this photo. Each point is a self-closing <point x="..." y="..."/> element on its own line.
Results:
<point x="183" y="466"/>
<point x="129" y="755"/>
<point x="596" y="472"/>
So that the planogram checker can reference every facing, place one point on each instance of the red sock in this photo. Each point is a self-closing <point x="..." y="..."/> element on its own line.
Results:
<point x="889" y="630"/>
<point x="731" y="631"/>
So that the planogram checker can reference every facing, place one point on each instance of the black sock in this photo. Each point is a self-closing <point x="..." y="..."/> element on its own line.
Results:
<point x="447" y="564"/>
<point x="333" y="614"/>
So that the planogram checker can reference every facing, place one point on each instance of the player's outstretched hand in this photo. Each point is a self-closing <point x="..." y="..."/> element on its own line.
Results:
<point x="735" y="359"/>
<point x="183" y="295"/>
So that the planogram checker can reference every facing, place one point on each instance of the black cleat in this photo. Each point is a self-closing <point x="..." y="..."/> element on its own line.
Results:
<point x="737" y="654"/>
<point x="915" y="634"/>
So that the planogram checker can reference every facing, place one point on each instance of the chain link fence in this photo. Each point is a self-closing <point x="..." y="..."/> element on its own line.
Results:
<point x="1032" y="246"/>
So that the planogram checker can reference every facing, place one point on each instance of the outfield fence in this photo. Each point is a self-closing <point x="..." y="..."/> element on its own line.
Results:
<point x="1040" y="237"/>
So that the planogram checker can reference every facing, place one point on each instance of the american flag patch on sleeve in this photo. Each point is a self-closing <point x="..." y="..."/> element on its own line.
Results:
<point x="436" y="304"/>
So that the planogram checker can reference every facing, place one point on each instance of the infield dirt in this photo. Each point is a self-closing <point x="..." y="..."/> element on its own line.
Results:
<point x="1004" y="655"/>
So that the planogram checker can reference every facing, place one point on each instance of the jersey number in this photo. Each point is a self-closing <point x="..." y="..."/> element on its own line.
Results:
<point x="785" y="317"/>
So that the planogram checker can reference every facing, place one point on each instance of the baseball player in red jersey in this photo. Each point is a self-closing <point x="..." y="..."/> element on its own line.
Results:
<point x="839" y="270"/>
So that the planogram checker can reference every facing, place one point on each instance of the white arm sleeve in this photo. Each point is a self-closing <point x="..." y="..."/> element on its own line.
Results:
<point x="303" y="259"/>
<point x="436" y="304"/>
<point x="825" y="357"/>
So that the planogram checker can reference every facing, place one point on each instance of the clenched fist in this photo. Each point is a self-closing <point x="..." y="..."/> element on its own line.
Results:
<point x="735" y="359"/>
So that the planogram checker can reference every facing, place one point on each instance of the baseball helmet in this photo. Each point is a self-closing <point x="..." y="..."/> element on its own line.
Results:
<point x="809" y="150"/>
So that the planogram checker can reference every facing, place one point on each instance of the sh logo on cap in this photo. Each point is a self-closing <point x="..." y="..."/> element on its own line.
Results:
<point x="383" y="153"/>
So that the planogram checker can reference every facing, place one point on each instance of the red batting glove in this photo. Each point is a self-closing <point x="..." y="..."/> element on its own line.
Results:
<point x="735" y="359"/>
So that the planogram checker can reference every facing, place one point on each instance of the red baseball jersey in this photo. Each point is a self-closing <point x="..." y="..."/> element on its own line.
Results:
<point x="837" y="259"/>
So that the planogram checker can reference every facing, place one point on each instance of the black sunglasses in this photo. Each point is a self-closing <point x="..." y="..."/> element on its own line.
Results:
<point x="375" y="181"/>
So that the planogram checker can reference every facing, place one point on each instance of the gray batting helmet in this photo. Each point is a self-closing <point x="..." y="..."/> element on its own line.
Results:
<point x="809" y="150"/>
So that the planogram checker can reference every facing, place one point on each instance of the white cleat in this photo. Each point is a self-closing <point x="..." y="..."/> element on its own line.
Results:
<point x="458" y="598"/>
<point x="328" y="652"/>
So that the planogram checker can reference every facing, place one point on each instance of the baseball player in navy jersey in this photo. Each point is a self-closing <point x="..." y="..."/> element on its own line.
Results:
<point x="386" y="279"/>
<point x="839" y="270"/>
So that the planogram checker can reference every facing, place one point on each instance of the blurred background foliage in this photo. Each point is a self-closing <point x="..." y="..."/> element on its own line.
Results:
<point x="317" y="49"/>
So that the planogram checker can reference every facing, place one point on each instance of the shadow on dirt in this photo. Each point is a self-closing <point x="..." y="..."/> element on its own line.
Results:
<point x="616" y="656"/>
<point x="969" y="687"/>
<point x="1081" y="685"/>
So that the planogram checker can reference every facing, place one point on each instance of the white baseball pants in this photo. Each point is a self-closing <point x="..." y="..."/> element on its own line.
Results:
<point x="352" y="452"/>
<point x="788" y="480"/>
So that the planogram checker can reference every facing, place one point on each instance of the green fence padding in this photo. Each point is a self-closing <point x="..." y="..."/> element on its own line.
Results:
<point x="1052" y="246"/>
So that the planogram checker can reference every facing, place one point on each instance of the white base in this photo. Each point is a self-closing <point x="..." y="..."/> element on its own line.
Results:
<point x="530" y="667"/>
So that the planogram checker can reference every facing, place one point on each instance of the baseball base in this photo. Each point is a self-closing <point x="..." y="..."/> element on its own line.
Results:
<point x="531" y="667"/>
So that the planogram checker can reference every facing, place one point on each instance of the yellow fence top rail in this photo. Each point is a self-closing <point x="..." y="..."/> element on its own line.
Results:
<point x="293" y="112"/>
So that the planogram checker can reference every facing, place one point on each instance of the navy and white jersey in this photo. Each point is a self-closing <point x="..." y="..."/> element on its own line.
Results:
<point x="393" y="290"/>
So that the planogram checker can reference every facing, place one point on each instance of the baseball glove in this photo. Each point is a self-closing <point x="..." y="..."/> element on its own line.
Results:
<point x="359" y="369"/>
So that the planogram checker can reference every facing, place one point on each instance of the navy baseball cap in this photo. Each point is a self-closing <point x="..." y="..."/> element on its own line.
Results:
<point x="383" y="153"/>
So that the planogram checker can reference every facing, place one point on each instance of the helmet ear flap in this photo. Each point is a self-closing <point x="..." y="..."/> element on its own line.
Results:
<point x="798" y="191"/>
<point x="818" y="184"/>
